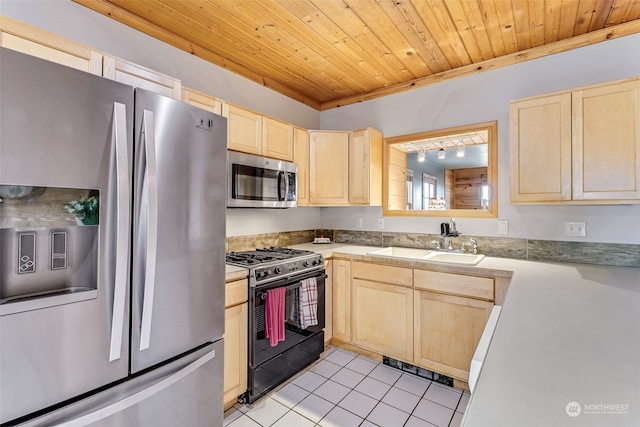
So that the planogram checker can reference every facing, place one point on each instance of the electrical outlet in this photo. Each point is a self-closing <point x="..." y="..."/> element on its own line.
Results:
<point x="381" y="222"/>
<point x="575" y="229"/>
<point x="358" y="222"/>
<point x="503" y="226"/>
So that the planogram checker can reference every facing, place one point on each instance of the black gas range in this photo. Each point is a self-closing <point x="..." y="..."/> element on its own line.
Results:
<point x="271" y="268"/>
<point x="275" y="263"/>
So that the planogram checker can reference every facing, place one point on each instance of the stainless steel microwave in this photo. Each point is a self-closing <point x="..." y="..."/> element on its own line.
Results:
<point x="261" y="182"/>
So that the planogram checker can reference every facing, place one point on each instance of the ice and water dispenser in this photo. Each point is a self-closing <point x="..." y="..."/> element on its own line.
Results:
<point x="48" y="246"/>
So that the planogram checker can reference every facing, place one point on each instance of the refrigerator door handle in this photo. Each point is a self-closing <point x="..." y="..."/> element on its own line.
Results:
<point x="152" y="228"/>
<point x="142" y="395"/>
<point x="119" y="138"/>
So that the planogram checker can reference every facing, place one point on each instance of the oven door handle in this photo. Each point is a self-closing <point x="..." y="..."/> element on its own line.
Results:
<point x="297" y="284"/>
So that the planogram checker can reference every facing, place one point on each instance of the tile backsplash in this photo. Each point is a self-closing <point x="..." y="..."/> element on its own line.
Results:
<point x="623" y="255"/>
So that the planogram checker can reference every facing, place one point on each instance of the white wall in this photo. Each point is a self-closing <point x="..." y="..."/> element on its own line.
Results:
<point x="78" y="23"/>
<point x="485" y="97"/>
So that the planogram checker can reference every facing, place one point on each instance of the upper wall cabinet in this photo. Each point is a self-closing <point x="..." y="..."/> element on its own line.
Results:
<point x="328" y="168"/>
<point x="365" y="167"/>
<point x="577" y="147"/>
<point x="252" y="133"/>
<point x="136" y="75"/>
<point x="23" y="38"/>
<point x="202" y="100"/>
<point x="301" y="158"/>
<point x="345" y="168"/>
<point x="277" y="139"/>
<point x="244" y="128"/>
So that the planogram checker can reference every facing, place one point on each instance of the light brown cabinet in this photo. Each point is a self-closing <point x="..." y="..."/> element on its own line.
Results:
<point x="252" y="133"/>
<point x="33" y="41"/>
<point x="581" y="146"/>
<point x="365" y="167"/>
<point x="328" y="301"/>
<point x="451" y="311"/>
<point x="606" y="142"/>
<point x="431" y="319"/>
<point x="447" y="331"/>
<point x="277" y="139"/>
<point x="328" y="168"/>
<point x="244" y="129"/>
<point x="342" y="300"/>
<point x="301" y="158"/>
<point x="382" y="318"/>
<point x="235" y="341"/>
<point x="202" y="100"/>
<point x="345" y="168"/>
<point x="138" y="76"/>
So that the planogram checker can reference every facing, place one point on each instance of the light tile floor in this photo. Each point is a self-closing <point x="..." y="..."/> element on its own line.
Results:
<point x="344" y="389"/>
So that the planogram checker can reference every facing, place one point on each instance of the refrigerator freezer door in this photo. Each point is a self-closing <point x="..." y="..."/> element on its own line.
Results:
<point x="179" y="228"/>
<point x="186" y="392"/>
<point x="64" y="128"/>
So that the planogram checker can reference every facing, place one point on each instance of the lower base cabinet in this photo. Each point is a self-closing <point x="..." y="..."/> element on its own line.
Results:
<point x="447" y="331"/>
<point x="236" y="321"/>
<point x="430" y="319"/>
<point x="382" y="318"/>
<point x="235" y="353"/>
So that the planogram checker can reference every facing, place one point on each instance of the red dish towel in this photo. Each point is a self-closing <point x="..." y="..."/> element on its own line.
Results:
<point x="274" y="315"/>
<point x="308" y="303"/>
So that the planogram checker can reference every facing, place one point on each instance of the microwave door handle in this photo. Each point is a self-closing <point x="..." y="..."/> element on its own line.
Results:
<point x="152" y="229"/>
<point x="280" y="181"/>
<point x="119" y="138"/>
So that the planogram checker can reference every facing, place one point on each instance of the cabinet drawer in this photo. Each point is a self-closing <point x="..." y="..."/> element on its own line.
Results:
<point x="456" y="284"/>
<point x="236" y="292"/>
<point x="383" y="273"/>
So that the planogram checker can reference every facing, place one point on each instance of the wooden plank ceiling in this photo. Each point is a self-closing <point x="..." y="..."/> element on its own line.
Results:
<point x="328" y="53"/>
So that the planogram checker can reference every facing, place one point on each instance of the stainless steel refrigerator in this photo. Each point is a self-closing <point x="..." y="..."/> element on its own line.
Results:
<point x="112" y="228"/>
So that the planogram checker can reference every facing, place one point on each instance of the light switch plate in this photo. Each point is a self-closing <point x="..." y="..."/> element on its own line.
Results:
<point x="381" y="222"/>
<point x="358" y="222"/>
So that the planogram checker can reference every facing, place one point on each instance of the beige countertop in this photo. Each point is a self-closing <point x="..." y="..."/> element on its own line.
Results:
<point x="235" y="273"/>
<point x="567" y="333"/>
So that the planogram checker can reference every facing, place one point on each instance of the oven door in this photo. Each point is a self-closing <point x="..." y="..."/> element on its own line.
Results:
<point x="260" y="350"/>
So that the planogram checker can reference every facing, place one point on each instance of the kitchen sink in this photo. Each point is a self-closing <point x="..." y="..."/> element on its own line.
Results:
<point x="397" y="252"/>
<point x="429" y="255"/>
<point x="454" y="258"/>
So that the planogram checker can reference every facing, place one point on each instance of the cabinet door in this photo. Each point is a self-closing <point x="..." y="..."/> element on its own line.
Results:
<point x="244" y="129"/>
<point x="447" y="331"/>
<point x="397" y="181"/>
<point x="202" y="100"/>
<point x="301" y="158"/>
<point x="606" y="142"/>
<point x="342" y="300"/>
<point x="235" y="352"/>
<point x="329" y="168"/>
<point x="365" y="167"/>
<point x="135" y="75"/>
<point x="540" y="149"/>
<point x="33" y="41"/>
<point x="328" y="301"/>
<point x="382" y="318"/>
<point x="277" y="139"/>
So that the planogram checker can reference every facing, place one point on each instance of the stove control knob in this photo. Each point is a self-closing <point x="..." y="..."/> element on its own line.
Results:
<point x="305" y="263"/>
<point x="277" y="270"/>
